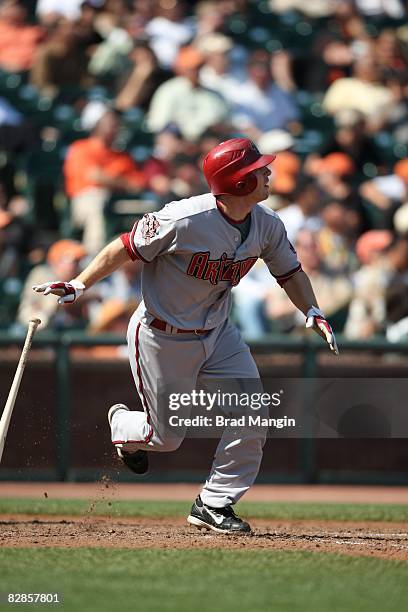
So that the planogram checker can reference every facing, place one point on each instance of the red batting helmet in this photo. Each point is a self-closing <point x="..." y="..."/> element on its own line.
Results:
<point x="228" y="167"/>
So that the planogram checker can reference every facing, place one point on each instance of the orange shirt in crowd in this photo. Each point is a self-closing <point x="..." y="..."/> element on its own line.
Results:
<point x="18" y="45"/>
<point x="90" y="153"/>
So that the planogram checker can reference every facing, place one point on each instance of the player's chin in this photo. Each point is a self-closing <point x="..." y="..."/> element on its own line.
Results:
<point x="263" y="193"/>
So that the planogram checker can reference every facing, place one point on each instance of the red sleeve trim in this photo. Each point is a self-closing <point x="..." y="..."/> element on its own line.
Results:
<point x="128" y="240"/>
<point x="283" y="278"/>
<point x="125" y="238"/>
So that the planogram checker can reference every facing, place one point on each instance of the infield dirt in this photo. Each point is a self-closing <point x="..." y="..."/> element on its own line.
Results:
<point x="387" y="540"/>
<point x="384" y="540"/>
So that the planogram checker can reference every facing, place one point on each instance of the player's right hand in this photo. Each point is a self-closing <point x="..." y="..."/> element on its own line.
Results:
<point x="68" y="292"/>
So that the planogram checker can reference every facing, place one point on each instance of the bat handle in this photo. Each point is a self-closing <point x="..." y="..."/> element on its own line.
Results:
<point x="11" y="400"/>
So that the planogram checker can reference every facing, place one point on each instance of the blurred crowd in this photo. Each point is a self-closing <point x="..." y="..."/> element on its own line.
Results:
<point x="107" y="108"/>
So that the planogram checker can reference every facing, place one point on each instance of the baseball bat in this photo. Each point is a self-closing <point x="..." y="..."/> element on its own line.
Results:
<point x="11" y="400"/>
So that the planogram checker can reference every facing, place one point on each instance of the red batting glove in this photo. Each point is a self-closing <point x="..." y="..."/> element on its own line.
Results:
<point x="69" y="292"/>
<point x="316" y="320"/>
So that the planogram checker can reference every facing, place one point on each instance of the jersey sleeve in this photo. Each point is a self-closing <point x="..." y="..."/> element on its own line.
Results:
<point x="153" y="235"/>
<point x="279" y="254"/>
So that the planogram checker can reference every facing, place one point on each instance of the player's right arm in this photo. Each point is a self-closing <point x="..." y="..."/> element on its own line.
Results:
<point x="107" y="261"/>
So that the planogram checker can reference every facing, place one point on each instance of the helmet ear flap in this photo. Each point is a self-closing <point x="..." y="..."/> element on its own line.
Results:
<point x="246" y="185"/>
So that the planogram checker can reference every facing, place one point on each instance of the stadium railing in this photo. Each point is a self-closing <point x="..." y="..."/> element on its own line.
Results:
<point x="307" y="348"/>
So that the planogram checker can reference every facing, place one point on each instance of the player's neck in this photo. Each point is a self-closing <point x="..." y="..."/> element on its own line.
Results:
<point x="235" y="208"/>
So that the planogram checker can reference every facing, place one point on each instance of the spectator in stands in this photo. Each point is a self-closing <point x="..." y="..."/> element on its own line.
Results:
<point x="13" y="237"/>
<point x="210" y="17"/>
<point x="118" y="296"/>
<point x="334" y="174"/>
<point x="94" y="170"/>
<point x="114" y="15"/>
<point x="183" y="101"/>
<point x="18" y="39"/>
<point x="187" y="179"/>
<point x="285" y="172"/>
<point x="125" y="284"/>
<point x="249" y="301"/>
<point x="141" y="81"/>
<point x="17" y="134"/>
<point x="388" y="53"/>
<point x="334" y="292"/>
<point x="396" y="120"/>
<point x="216" y="73"/>
<point x="63" y="261"/>
<point x="363" y="91"/>
<point x="142" y="12"/>
<point x="367" y="314"/>
<point x="351" y="139"/>
<point x="260" y="103"/>
<point x="304" y="212"/>
<point x="50" y="11"/>
<point x="379" y="8"/>
<point x="168" y="31"/>
<point x="336" y="238"/>
<point x="89" y="37"/>
<point x="157" y="169"/>
<point x="61" y="62"/>
<point x="387" y="193"/>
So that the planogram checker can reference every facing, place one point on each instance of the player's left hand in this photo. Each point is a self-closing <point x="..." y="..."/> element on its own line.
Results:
<point x="316" y="320"/>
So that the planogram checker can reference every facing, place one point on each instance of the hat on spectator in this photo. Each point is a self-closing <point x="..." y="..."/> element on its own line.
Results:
<point x="188" y="58"/>
<point x="285" y="169"/>
<point x="65" y="249"/>
<point x="336" y="163"/>
<point x="401" y="169"/>
<point x="275" y="141"/>
<point x="214" y="43"/>
<point x="92" y="113"/>
<point x="401" y="219"/>
<point x="5" y="219"/>
<point x="372" y="243"/>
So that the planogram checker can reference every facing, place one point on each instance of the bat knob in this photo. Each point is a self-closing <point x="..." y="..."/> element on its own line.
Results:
<point x="36" y="321"/>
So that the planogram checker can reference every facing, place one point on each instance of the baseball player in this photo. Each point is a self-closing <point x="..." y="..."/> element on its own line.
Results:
<point x="195" y="250"/>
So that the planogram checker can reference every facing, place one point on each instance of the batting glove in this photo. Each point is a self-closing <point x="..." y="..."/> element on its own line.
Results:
<point x="316" y="320"/>
<point x="69" y="292"/>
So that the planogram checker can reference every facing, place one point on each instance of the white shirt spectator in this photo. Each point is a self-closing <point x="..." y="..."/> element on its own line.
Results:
<point x="368" y="98"/>
<point x="372" y="8"/>
<point x="392" y="186"/>
<point x="267" y="110"/>
<point x="225" y="84"/>
<point x="192" y="109"/>
<point x="66" y="8"/>
<point x="294" y="220"/>
<point x="166" y="37"/>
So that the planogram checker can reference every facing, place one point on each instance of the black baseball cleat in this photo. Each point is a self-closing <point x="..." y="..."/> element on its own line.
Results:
<point x="138" y="461"/>
<point x="221" y="520"/>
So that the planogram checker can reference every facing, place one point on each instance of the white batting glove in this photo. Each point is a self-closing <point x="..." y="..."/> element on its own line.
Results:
<point x="69" y="292"/>
<point x="316" y="320"/>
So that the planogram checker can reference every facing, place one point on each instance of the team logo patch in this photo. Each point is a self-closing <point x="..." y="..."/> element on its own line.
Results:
<point x="149" y="227"/>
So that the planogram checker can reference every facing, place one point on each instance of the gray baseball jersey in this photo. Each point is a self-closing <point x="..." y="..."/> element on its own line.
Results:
<point x="195" y="255"/>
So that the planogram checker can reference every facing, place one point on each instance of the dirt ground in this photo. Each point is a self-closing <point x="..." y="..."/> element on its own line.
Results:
<point x="385" y="540"/>
<point x="377" y="539"/>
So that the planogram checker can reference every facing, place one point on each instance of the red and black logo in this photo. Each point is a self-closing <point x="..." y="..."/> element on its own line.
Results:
<point x="150" y="226"/>
<point x="222" y="269"/>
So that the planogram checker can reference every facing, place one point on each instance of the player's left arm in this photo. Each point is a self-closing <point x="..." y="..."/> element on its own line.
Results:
<point x="300" y="291"/>
<point x="281" y="259"/>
